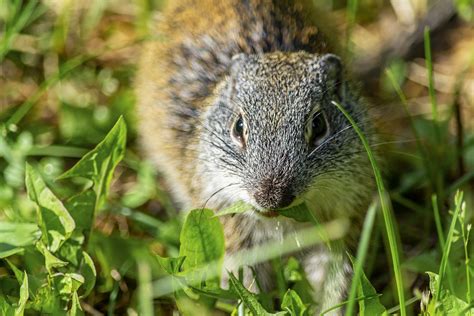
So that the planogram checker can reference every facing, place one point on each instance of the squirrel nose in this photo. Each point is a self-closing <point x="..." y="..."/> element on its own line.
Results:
<point x="270" y="196"/>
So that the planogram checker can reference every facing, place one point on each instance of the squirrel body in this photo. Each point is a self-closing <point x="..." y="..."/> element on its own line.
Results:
<point x="234" y="102"/>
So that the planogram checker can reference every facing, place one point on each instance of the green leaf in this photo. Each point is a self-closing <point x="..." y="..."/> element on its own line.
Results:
<point x="293" y="304"/>
<point x="67" y="283"/>
<point x="248" y="298"/>
<point x="5" y="308"/>
<point x="171" y="265"/>
<point x="299" y="213"/>
<point x="98" y="165"/>
<point x="89" y="273"/>
<point x="15" y="236"/>
<point x="76" y="309"/>
<point x="370" y="305"/>
<point x="16" y="271"/>
<point x="236" y="208"/>
<point x="55" y="221"/>
<point x="447" y="303"/>
<point x="202" y="242"/>
<point x="71" y="250"/>
<point x="81" y="207"/>
<point x="51" y="262"/>
<point x="23" y="296"/>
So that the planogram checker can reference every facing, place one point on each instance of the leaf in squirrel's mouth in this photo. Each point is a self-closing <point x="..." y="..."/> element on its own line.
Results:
<point x="299" y="212"/>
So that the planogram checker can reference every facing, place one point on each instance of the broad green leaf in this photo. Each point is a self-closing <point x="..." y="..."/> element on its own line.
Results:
<point x="293" y="304"/>
<point x="171" y="265"/>
<point x="51" y="262"/>
<point x="18" y="234"/>
<point x="89" y="273"/>
<point x="47" y="300"/>
<point x="55" y="221"/>
<point x="448" y="304"/>
<point x="299" y="213"/>
<point x="23" y="296"/>
<point x="248" y="298"/>
<point x="71" y="250"/>
<point x="370" y="305"/>
<point x="8" y="250"/>
<point x="98" y="165"/>
<point x="5" y="308"/>
<point x="202" y="243"/>
<point x="81" y="207"/>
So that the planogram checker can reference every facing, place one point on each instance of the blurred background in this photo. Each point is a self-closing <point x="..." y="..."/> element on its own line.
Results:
<point x="66" y="75"/>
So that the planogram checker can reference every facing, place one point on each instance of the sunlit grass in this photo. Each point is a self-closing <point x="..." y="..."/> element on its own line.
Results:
<point x="386" y="211"/>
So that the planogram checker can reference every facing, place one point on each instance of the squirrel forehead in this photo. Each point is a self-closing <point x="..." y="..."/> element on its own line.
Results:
<point x="277" y="78"/>
<point x="277" y="72"/>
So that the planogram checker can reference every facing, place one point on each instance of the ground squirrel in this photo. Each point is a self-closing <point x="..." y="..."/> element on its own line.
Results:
<point x="234" y="101"/>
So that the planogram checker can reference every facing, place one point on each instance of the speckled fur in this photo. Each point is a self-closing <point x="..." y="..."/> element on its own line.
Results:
<point x="266" y="60"/>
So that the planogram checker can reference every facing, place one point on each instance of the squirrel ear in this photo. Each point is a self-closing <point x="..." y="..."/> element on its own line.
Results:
<point x="330" y="67"/>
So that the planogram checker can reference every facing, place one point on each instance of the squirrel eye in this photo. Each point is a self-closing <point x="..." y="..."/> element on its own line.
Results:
<point x="317" y="129"/>
<point x="238" y="130"/>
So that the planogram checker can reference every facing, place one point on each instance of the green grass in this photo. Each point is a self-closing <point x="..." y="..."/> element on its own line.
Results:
<point x="86" y="225"/>
<point x="386" y="211"/>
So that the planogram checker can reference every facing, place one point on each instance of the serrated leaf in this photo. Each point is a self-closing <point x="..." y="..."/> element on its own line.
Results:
<point x="293" y="304"/>
<point x="23" y="296"/>
<point x="99" y="164"/>
<point x="89" y="273"/>
<point x="248" y="298"/>
<point x="55" y="221"/>
<point x="202" y="242"/>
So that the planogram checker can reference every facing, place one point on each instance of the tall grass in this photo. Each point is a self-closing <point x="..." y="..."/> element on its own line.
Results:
<point x="386" y="211"/>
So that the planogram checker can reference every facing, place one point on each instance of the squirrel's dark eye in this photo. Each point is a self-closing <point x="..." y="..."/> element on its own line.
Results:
<point x="238" y="131"/>
<point x="317" y="129"/>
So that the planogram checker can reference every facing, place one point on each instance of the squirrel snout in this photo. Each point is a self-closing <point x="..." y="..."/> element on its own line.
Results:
<point x="271" y="196"/>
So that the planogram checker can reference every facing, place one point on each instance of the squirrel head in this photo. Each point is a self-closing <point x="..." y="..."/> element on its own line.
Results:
<point x="271" y="134"/>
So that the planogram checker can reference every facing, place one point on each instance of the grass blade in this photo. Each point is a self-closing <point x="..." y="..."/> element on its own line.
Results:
<point x="458" y="202"/>
<point x="361" y="254"/>
<point x="387" y="214"/>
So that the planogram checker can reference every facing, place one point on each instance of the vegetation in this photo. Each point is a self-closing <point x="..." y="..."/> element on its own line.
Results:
<point x="86" y="226"/>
